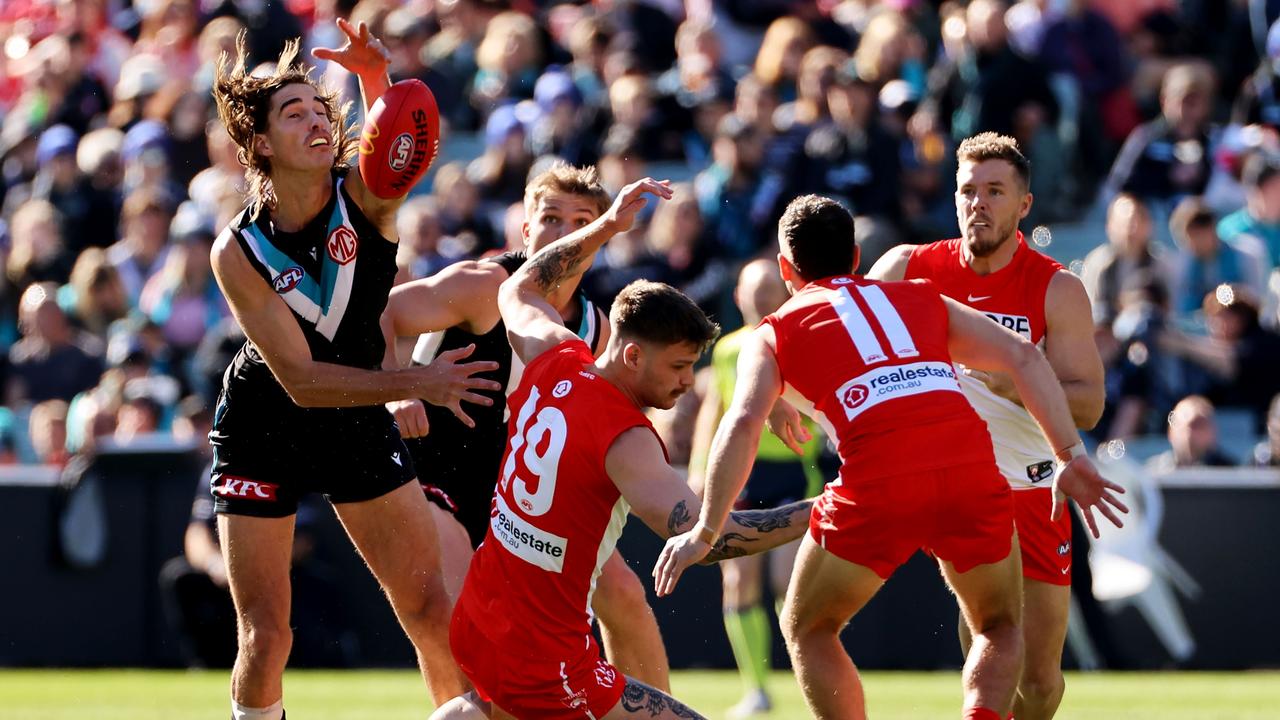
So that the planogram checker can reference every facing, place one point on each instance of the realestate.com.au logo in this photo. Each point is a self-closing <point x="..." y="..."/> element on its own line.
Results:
<point x="874" y="387"/>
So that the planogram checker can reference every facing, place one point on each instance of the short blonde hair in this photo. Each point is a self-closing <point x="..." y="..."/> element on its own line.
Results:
<point x="565" y="178"/>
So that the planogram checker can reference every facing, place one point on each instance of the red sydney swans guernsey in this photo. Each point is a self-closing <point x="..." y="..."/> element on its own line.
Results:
<point x="556" y="515"/>
<point x="1013" y="296"/>
<point x="872" y="359"/>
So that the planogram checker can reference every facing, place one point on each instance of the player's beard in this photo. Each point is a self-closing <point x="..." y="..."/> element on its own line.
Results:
<point x="982" y="246"/>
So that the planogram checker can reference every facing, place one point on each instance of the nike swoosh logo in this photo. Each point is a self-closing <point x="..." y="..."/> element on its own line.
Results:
<point x="980" y="298"/>
<point x="1066" y="570"/>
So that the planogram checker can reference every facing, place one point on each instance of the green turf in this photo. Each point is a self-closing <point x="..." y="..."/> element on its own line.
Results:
<point x="399" y="695"/>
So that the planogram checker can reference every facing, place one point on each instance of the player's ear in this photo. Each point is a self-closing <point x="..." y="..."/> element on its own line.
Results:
<point x="1027" y="200"/>
<point x="631" y="355"/>
<point x="261" y="145"/>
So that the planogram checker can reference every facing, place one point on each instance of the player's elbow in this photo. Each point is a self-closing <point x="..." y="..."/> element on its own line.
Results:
<point x="297" y="384"/>
<point x="1088" y="413"/>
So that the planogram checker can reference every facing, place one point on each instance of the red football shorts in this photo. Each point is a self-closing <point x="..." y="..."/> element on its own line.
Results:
<point x="1045" y="543"/>
<point x="583" y="687"/>
<point x="962" y="514"/>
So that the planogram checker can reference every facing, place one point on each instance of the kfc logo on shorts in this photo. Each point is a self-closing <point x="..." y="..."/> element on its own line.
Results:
<point x="606" y="676"/>
<point x="561" y="389"/>
<point x="401" y="151"/>
<point x="287" y="280"/>
<point x="244" y="489"/>
<point x="342" y="245"/>
<point x="854" y="396"/>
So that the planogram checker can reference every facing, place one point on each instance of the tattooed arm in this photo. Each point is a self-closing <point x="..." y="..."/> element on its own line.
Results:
<point x="661" y="498"/>
<point x="533" y="325"/>
<point x="758" y="386"/>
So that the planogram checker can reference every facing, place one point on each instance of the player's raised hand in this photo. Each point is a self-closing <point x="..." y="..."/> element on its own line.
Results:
<point x="447" y="382"/>
<point x="622" y="214"/>
<point x="1080" y="481"/>
<point x="363" y="54"/>
<point x="411" y="417"/>
<point x="680" y="552"/>
<point x="785" y="422"/>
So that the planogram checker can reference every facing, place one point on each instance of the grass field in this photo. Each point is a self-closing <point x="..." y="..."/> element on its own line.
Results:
<point x="399" y="695"/>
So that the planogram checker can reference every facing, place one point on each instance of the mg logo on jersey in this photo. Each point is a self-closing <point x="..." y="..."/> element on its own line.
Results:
<point x="1020" y="324"/>
<point x="238" y="487"/>
<point x="855" y="396"/>
<point x="561" y="389"/>
<point x="287" y="280"/>
<point x="401" y="151"/>
<point x="895" y="381"/>
<point x="342" y="245"/>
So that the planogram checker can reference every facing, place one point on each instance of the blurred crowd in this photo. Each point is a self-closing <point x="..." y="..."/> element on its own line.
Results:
<point x="1161" y="115"/>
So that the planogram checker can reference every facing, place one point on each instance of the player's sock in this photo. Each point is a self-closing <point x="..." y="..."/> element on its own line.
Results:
<point x="274" y="712"/>
<point x="980" y="713"/>
<point x="748" y="632"/>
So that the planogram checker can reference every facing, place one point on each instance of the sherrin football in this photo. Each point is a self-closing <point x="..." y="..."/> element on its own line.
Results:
<point x="399" y="140"/>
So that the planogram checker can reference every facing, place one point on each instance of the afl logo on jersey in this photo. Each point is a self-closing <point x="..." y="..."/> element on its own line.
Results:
<point x="400" y="152"/>
<point x="342" y="245"/>
<point x="287" y="280"/>
<point x="562" y="388"/>
<point x="854" y="396"/>
<point x="841" y="281"/>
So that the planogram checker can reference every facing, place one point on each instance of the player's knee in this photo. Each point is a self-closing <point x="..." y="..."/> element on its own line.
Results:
<point x="621" y="594"/>
<point x="799" y="626"/>
<point x="264" y="642"/>
<point x="1041" y="685"/>
<point x="463" y="707"/>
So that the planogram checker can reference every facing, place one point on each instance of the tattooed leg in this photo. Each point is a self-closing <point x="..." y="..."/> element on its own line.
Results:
<point x="641" y="701"/>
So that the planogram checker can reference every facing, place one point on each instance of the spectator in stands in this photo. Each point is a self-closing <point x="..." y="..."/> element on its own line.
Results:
<point x="224" y="172"/>
<point x="501" y="172"/>
<point x="48" y="432"/>
<point x="777" y="64"/>
<point x="1258" y="102"/>
<point x="182" y="298"/>
<point x="1193" y="435"/>
<point x="678" y="233"/>
<point x="418" y="222"/>
<point x="142" y="248"/>
<point x="1267" y="452"/>
<point x="1259" y="220"/>
<point x="87" y="212"/>
<point x="851" y="157"/>
<point x="621" y="161"/>
<point x="633" y="106"/>
<point x="1128" y="250"/>
<point x="95" y="297"/>
<point x="51" y="361"/>
<point x="1239" y="356"/>
<point x="1171" y="156"/>
<point x="726" y="191"/>
<point x="891" y="49"/>
<point x="1143" y="382"/>
<point x="37" y="252"/>
<point x="462" y="221"/>
<point x="1202" y="261"/>
<point x="98" y="157"/>
<point x="507" y="62"/>
<point x="563" y="127"/>
<point x="146" y="154"/>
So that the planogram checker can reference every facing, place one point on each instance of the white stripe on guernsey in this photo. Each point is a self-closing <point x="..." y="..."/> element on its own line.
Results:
<point x="608" y="541"/>
<point x="855" y="323"/>
<point x="424" y="351"/>
<point x="590" y="310"/>
<point x="328" y="325"/>
<point x="890" y="321"/>
<point x="295" y="298"/>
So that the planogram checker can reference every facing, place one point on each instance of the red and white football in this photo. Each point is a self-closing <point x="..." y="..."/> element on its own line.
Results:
<point x="399" y="140"/>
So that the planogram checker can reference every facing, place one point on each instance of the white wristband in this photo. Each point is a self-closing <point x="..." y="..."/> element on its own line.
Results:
<point x="1066" y="455"/>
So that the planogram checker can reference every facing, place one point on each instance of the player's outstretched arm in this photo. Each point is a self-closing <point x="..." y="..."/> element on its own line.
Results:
<point x="364" y="56"/>
<point x="269" y="324"/>
<point x="660" y="497"/>
<point x="463" y="294"/>
<point x="533" y="325"/>
<point x="976" y="341"/>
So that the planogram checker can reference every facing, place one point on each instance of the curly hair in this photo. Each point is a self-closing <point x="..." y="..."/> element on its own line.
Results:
<point x="993" y="146"/>
<point x="244" y="104"/>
